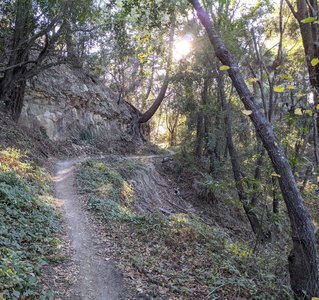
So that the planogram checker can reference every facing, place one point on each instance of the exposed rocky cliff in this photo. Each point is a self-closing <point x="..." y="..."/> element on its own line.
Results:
<point x="68" y="104"/>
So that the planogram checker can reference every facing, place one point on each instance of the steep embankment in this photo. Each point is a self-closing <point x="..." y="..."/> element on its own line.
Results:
<point x="66" y="113"/>
<point x="33" y="141"/>
<point x="132" y="236"/>
<point x="165" y="246"/>
<point x="69" y="104"/>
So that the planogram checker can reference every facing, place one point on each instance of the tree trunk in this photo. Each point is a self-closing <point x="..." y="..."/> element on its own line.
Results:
<point x="303" y="267"/>
<point x="72" y="55"/>
<point x="310" y="39"/>
<point x="200" y="134"/>
<point x="200" y="126"/>
<point x="247" y="203"/>
<point x="159" y="99"/>
<point x="12" y="85"/>
<point x="149" y="87"/>
<point x="15" y="104"/>
<point x="257" y="173"/>
<point x="275" y="200"/>
<point x="171" y="125"/>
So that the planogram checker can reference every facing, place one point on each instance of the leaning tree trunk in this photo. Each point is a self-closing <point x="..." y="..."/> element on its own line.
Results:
<point x="303" y="265"/>
<point x="159" y="99"/>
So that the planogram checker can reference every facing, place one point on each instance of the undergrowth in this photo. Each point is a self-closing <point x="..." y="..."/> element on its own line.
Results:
<point x="27" y="224"/>
<point x="180" y="256"/>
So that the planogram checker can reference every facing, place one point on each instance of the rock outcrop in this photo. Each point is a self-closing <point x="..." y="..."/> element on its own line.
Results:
<point x="68" y="104"/>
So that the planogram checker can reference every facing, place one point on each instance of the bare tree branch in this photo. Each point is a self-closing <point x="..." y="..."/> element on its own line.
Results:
<point x="294" y="12"/>
<point x="18" y="65"/>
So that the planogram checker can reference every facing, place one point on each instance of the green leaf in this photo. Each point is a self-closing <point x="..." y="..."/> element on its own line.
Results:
<point x="308" y="112"/>
<point x="279" y="88"/>
<point x="286" y="77"/>
<point x="290" y="87"/>
<point x="307" y="20"/>
<point x="298" y="111"/>
<point x="224" y="68"/>
<point x="119" y="3"/>
<point x="275" y="175"/>
<point x="252" y="79"/>
<point x="314" y="61"/>
<point x="299" y="95"/>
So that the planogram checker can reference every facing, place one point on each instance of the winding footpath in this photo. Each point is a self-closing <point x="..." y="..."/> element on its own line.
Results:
<point x="98" y="278"/>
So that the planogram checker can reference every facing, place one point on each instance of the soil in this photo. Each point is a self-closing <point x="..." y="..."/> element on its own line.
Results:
<point x="98" y="278"/>
<point x="89" y="269"/>
<point x="93" y="267"/>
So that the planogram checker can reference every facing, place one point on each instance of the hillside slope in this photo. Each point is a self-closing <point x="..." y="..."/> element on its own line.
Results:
<point x="167" y="247"/>
<point x="67" y="103"/>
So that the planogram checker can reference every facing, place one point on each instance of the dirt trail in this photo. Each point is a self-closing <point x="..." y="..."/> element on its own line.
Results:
<point x="98" y="277"/>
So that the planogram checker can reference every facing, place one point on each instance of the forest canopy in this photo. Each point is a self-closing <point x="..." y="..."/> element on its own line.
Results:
<point x="232" y="84"/>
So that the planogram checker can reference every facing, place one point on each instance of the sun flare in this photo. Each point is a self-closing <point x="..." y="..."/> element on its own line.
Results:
<point x="182" y="47"/>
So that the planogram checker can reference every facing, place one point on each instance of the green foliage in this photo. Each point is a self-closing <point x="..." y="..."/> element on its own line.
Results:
<point x="224" y="68"/>
<point x="108" y="191"/>
<point x="307" y="20"/>
<point x="96" y="176"/>
<point x="27" y="224"/>
<point x="314" y="61"/>
<point x="186" y="257"/>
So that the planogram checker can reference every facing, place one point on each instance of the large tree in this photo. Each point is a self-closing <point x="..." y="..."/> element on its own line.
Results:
<point x="307" y="14"/>
<point x="38" y="36"/>
<point x="303" y="264"/>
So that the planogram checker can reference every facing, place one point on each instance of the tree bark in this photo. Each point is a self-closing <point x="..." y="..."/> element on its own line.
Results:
<point x="310" y="39"/>
<point x="149" y="87"/>
<point x="200" y="134"/>
<point x="15" y="104"/>
<point x="234" y="158"/>
<point x="171" y="125"/>
<point x="72" y="55"/>
<point x="303" y="265"/>
<point x="159" y="99"/>
<point x="200" y="124"/>
<point x="11" y="90"/>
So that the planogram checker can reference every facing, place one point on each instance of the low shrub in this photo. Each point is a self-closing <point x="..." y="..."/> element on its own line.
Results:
<point x="27" y="225"/>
